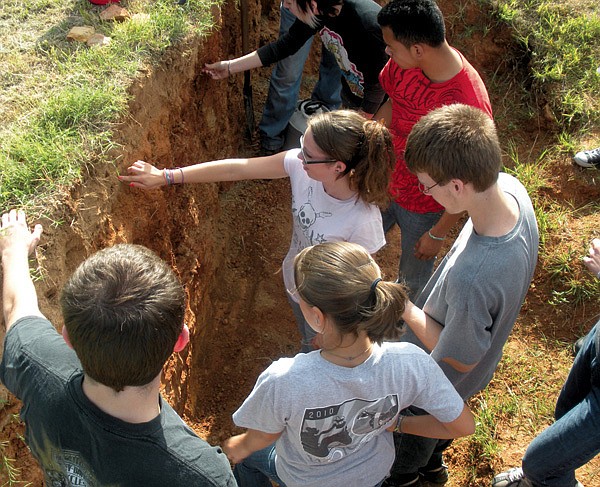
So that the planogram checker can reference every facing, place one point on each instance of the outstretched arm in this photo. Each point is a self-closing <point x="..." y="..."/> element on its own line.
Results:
<point x="146" y="176"/>
<point x="19" y="298"/>
<point x="241" y="446"/>
<point x="592" y="260"/>
<point x="223" y="69"/>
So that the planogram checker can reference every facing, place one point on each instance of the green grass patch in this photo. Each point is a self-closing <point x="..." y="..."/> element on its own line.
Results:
<point x="61" y="100"/>
<point x="562" y="44"/>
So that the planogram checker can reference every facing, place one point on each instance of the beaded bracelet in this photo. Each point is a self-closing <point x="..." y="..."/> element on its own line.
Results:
<point x="170" y="176"/>
<point x="433" y="237"/>
<point x="168" y="173"/>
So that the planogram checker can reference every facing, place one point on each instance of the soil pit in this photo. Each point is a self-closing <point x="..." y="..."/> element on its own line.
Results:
<point x="226" y="241"/>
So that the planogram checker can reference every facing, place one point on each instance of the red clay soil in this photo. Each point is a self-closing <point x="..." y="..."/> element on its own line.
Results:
<point x="226" y="241"/>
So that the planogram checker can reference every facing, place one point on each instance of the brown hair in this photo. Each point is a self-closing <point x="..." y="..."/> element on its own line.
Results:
<point x="123" y="308"/>
<point x="455" y="142"/>
<point x="339" y="279"/>
<point x="365" y="146"/>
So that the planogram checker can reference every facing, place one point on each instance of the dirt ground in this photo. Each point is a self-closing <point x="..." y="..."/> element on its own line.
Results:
<point x="226" y="241"/>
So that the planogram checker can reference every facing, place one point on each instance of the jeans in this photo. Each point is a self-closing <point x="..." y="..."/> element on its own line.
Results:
<point x="258" y="468"/>
<point x="285" y="86"/>
<point x="574" y="439"/>
<point x="308" y="334"/>
<point x="414" y="453"/>
<point x="413" y="272"/>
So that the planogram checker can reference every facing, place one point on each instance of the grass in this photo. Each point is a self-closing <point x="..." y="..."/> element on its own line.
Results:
<point x="61" y="100"/>
<point x="562" y="43"/>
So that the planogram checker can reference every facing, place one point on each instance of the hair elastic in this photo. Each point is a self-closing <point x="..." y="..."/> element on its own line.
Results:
<point x="374" y="284"/>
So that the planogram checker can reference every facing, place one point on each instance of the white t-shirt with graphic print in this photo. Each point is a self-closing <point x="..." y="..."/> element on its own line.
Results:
<point x="318" y="217"/>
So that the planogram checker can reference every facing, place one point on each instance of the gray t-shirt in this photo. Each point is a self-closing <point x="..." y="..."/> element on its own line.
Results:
<point x="477" y="291"/>
<point x="334" y="418"/>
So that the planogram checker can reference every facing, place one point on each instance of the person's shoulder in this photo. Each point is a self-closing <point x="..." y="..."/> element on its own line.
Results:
<point x="392" y="349"/>
<point x="291" y="365"/>
<point x="292" y="163"/>
<point x="206" y="465"/>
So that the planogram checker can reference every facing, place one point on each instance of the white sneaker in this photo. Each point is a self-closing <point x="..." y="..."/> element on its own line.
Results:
<point x="588" y="158"/>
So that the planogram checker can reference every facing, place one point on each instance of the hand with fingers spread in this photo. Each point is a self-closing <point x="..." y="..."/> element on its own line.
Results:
<point x="218" y="70"/>
<point x="592" y="261"/>
<point x="15" y="235"/>
<point x="144" y="175"/>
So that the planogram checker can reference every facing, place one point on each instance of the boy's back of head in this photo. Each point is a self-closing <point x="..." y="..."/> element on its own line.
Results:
<point x="414" y="22"/>
<point x="123" y="309"/>
<point x="455" y="142"/>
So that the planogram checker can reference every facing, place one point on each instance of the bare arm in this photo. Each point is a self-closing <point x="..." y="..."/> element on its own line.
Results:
<point x="241" y="446"/>
<point x="385" y="112"/>
<point x="428" y="332"/>
<point x="223" y="69"/>
<point x="430" y="427"/>
<point x="146" y="176"/>
<point x="19" y="298"/>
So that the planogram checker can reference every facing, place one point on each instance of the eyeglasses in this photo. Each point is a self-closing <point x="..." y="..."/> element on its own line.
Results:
<point x="426" y="189"/>
<point x="306" y="160"/>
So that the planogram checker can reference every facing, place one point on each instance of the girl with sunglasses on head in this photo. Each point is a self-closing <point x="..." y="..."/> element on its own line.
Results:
<point x="338" y="178"/>
<point x="325" y="418"/>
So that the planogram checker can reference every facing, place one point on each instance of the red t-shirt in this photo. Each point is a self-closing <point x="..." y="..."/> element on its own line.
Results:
<point x="414" y="95"/>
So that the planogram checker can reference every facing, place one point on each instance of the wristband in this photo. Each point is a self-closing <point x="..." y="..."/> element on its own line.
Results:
<point x="228" y="68"/>
<point x="433" y="237"/>
<point x="398" y="427"/>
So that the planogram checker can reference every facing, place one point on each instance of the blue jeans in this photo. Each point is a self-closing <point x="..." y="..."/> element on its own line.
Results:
<point x="308" y="334"/>
<point x="285" y="86"/>
<point x="413" y="272"/>
<point x="258" y="468"/>
<point x="574" y="439"/>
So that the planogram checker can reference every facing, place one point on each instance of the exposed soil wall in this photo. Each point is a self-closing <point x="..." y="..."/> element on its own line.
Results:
<point x="225" y="241"/>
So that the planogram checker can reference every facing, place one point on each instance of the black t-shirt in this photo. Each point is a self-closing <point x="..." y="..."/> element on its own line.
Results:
<point x="355" y="39"/>
<point x="78" y="444"/>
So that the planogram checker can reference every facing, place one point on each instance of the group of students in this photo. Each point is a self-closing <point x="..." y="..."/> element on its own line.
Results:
<point x="380" y="390"/>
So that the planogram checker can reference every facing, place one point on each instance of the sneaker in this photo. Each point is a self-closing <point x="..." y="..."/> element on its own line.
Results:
<point x="513" y="478"/>
<point x="439" y="476"/>
<point x="588" y="158"/>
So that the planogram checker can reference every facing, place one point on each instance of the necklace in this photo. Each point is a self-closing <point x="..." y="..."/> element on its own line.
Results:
<point x="350" y="358"/>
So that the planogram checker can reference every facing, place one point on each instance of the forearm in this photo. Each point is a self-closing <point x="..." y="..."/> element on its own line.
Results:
<point x="422" y="325"/>
<point x="241" y="446"/>
<point x="244" y="63"/>
<point x="231" y="170"/>
<point x="444" y="224"/>
<point x="18" y="292"/>
<point x="385" y="112"/>
<point x="430" y="427"/>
